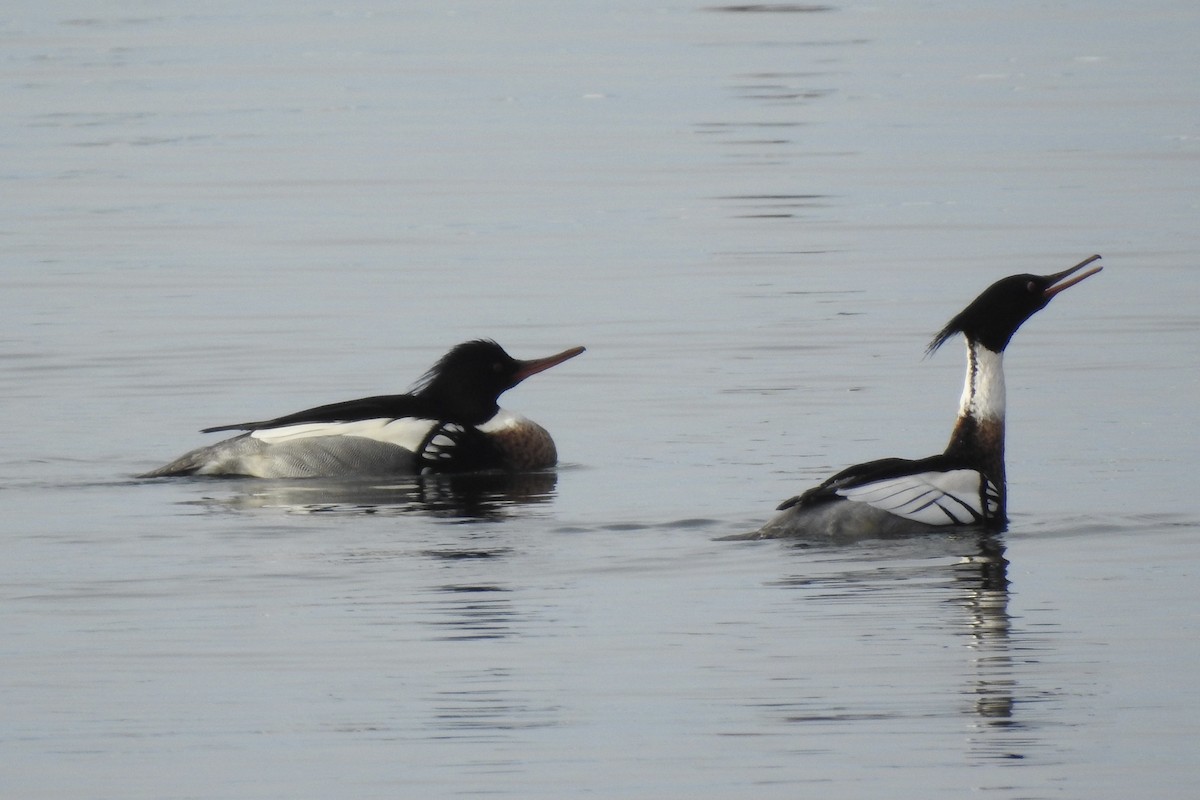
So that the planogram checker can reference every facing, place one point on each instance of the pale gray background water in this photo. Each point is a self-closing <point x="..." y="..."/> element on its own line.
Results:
<point x="754" y="217"/>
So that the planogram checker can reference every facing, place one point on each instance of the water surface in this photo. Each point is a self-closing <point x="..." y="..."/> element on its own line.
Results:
<point x="754" y="216"/>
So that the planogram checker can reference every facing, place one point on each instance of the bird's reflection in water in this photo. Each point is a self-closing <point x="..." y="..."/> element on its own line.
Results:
<point x="970" y="571"/>
<point x="1003" y="722"/>
<point x="469" y="496"/>
<point x="982" y="578"/>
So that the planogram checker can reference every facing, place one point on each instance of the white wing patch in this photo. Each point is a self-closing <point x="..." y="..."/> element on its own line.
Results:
<point x="932" y="498"/>
<point x="406" y="432"/>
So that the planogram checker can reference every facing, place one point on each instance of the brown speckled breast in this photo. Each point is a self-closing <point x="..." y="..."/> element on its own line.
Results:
<point x="525" y="445"/>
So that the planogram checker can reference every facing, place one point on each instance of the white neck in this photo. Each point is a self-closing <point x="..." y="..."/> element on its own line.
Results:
<point x="983" y="391"/>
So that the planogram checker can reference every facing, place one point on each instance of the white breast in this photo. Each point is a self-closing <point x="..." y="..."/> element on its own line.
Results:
<point x="983" y="393"/>
<point x="503" y="421"/>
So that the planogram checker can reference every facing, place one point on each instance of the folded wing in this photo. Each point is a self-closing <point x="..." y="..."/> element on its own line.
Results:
<point x="944" y="497"/>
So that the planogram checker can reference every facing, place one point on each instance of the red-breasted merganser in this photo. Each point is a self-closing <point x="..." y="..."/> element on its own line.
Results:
<point x="965" y="484"/>
<point x="450" y="422"/>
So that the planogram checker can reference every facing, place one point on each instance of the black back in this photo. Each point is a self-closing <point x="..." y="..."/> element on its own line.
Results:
<point x="464" y="387"/>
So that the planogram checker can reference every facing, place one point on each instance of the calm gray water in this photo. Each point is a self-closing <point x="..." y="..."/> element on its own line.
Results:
<point x="754" y="216"/>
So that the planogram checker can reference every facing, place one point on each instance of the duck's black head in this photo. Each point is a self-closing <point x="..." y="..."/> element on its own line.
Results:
<point x="466" y="383"/>
<point x="993" y="317"/>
